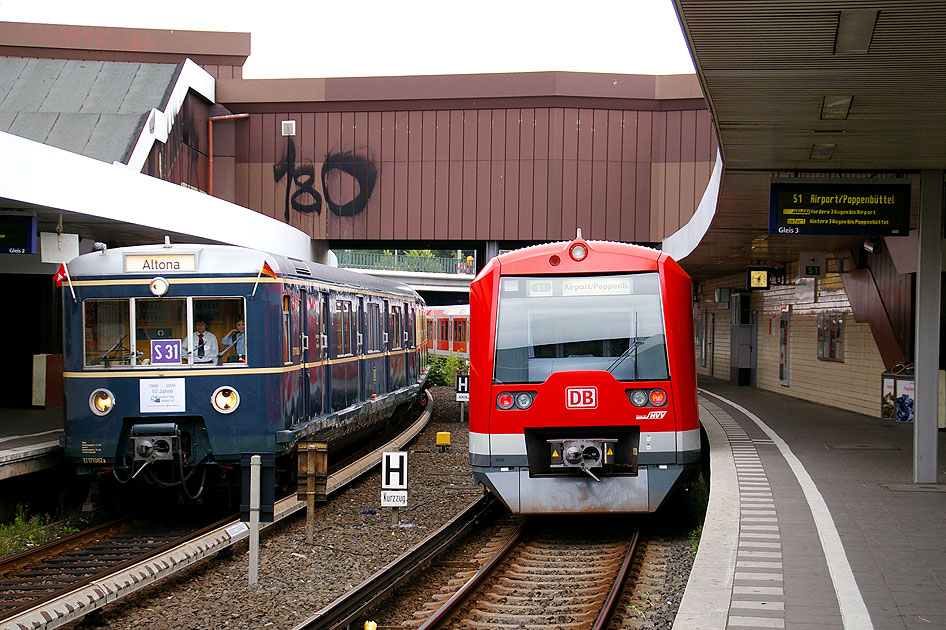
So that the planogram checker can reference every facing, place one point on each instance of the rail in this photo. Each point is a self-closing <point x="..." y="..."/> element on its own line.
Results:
<point x="354" y="603"/>
<point x="401" y="262"/>
<point x="72" y="604"/>
<point x="531" y="570"/>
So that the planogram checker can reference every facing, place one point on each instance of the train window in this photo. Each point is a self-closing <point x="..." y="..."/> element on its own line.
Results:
<point x="556" y="324"/>
<point x="342" y="320"/>
<point x="373" y="329"/>
<point x="286" y="339"/>
<point x="226" y="319"/>
<point x="395" y="328"/>
<point x="106" y="342"/>
<point x="459" y="331"/>
<point x="157" y="320"/>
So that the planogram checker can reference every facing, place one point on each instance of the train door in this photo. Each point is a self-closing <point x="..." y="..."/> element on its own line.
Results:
<point x="387" y="344"/>
<point x="359" y="318"/>
<point x="411" y="356"/>
<point x="326" y="366"/>
<point x="316" y="365"/>
<point x="304" y="357"/>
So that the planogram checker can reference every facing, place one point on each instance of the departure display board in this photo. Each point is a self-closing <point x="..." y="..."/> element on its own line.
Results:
<point x="867" y="209"/>
<point x="17" y="234"/>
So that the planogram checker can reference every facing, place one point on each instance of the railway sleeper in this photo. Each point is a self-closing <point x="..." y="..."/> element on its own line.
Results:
<point x="515" y="588"/>
<point x="559" y="622"/>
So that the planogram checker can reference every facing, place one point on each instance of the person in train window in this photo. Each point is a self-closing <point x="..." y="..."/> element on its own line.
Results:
<point x="203" y="342"/>
<point x="236" y="337"/>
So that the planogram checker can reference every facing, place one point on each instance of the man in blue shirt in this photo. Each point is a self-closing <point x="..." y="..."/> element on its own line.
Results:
<point x="236" y="337"/>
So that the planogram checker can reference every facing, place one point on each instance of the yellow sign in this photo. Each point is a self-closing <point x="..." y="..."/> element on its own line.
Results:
<point x="160" y="262"/>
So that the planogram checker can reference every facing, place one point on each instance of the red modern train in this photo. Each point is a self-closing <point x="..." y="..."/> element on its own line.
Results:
<point x="448" y="330"/>
<point x="582" y="378"/>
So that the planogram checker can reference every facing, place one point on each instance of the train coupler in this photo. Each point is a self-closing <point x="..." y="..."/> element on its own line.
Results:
<point x="584" y="454"/>
<point x="155" y="442"/>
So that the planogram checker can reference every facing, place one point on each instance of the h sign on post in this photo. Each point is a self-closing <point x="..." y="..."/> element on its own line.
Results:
<point x="394" y="481"/>
<point x="394" y="470"/>
<point x="463" y="388"/>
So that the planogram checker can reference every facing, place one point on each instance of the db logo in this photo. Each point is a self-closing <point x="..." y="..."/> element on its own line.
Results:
<point x="581" y="397"/>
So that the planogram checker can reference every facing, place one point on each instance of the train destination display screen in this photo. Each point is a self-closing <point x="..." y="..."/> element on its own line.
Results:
<point x="861" y="208"/>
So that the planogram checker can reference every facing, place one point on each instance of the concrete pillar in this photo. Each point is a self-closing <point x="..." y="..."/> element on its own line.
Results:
<point x="926" y="361"/>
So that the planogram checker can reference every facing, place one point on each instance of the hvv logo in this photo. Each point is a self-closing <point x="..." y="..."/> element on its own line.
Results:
<point x="581" y="397"/>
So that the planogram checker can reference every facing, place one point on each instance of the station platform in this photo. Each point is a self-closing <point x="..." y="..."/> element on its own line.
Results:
<point x="29" y="440"/>
<point x="813" y="520"/>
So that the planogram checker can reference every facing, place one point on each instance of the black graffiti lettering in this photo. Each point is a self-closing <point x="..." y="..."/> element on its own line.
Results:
<point x="305" y="199"/>
<point x="362" y="170"/>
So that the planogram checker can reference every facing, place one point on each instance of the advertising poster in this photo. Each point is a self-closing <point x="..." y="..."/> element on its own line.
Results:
<point x="888" y="397"/>
<point x="903" y="403"/>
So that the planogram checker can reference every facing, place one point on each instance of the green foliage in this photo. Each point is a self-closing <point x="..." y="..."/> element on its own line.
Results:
<point x="23" y="533"/>
<point x="443" y="369"/>
<point x="424" y="253"/>
<point x="698" y="498"/>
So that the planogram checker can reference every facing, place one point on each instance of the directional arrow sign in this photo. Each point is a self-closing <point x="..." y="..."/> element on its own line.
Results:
<point x="812" y="264"/>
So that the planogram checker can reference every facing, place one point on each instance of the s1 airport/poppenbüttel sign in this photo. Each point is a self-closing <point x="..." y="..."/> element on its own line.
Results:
<point x="865" y="208"/>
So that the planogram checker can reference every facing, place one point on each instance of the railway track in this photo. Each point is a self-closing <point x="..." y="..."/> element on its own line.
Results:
<point x="51" y="570"/>
<point x="556" y="578"/>
<point x="524" y="576"/>
<point x="71" y="581"/>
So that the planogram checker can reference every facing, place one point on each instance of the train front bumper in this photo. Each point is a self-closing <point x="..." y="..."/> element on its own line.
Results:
<point x="524" y="494"/>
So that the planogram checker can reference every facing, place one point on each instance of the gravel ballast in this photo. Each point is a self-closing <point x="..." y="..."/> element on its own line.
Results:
<point x="354" y="538"/>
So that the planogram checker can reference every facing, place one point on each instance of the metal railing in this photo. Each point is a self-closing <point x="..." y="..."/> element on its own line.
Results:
<point x="400" y="262"/>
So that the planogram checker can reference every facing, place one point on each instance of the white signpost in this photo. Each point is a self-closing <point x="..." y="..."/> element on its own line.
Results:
<point x="463" y="393"/>
<point x="463" y="388"/>
<point x="394" y="482"/>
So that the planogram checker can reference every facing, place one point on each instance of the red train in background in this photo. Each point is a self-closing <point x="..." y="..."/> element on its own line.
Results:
<point x="448" y="330"/>
<point x="582" y="378"/>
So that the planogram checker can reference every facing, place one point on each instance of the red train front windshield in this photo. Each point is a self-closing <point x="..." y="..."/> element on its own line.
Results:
<point x="549" y="324"/>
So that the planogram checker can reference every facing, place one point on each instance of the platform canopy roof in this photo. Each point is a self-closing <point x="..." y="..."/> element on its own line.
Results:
<point x="776" y="74"/>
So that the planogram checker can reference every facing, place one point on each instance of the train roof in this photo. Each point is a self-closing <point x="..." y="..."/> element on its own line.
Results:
<point x="601" y="257"/>
<point x="456" y="310"/>
<point x="607" y="247"/>
<point x="227" y="260"/>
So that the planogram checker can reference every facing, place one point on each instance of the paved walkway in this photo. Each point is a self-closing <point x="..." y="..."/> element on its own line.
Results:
<point x="814" y="521"/>
<point x="29" y="440"/>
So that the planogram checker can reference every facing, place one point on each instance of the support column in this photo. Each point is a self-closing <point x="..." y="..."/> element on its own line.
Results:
<point x="928" y="272"/>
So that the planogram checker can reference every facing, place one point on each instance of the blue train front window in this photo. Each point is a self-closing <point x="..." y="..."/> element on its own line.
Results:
<point x="105" y="327"/>
<point x="167" y="332"/>
<point x="550" y="324"/>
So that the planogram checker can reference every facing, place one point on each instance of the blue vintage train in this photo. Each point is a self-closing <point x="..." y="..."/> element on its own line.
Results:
<point x="179" y="358"/>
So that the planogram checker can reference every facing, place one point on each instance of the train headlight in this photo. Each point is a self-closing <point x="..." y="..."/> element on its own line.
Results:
<point x="658" y="398"/>
<point x="225" y="399"/>
<point x="639" y="397"/>
<point x="578" y="252"/>
<point x="524" y="400"/>
<point x="101" y="402"/>
<point x="159" y="286"/>
<point x="504" y="401"/>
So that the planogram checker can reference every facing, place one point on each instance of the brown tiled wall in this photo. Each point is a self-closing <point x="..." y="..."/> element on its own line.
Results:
<point x="853" y="385"/>
<point x="523" y="173"/>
